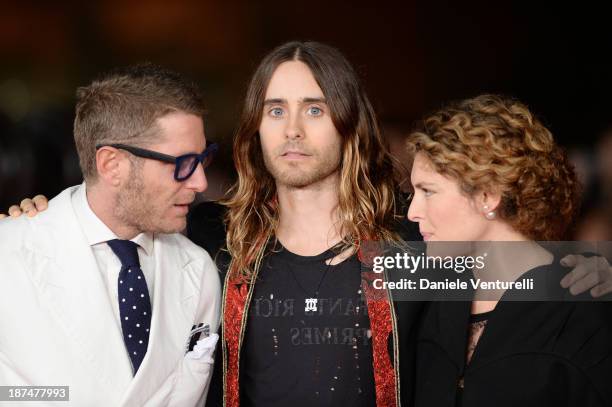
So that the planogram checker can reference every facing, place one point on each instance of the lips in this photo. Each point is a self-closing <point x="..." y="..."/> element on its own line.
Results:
<point x="294" y="153"/>
<point x="293" y="149"/>
<point x="426" y="235"/>
<point x="185" y="204"/>
<point x="182" y="208"/>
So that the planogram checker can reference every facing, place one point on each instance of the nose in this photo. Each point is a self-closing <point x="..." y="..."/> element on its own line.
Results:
<point x="415" y="209"/>
<point x="294" y="129"/>
<point x="197" y="181"/>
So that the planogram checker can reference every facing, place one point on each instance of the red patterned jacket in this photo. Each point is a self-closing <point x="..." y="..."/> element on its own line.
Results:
<point x="383" y="323"/>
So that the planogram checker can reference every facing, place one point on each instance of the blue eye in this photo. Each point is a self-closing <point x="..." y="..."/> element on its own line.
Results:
<point x="276" y="112"/>
<point x="427" y="192"/>
<point x="315" y="111"/>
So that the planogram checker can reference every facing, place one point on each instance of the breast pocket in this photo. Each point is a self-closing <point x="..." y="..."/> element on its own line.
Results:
<point x="195" y="373"/>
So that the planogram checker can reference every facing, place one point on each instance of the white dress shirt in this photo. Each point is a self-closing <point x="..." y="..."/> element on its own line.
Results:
<point x="109" y="265"/>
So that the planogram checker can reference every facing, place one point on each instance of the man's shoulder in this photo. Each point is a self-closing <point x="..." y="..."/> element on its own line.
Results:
<point x="197" y="265"/>
<point x="13" y="232"/>
<point x="45" y="229"/>
<point x="180" y="242"/>
<point x="188" y="250"/>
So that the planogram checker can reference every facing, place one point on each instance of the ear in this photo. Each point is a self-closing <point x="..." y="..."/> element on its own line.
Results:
<point x="113" y="166"/>
<point x="487" y="201"/>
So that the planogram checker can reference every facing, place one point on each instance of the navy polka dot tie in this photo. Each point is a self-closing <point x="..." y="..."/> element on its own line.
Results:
<point x="134" y="302"/>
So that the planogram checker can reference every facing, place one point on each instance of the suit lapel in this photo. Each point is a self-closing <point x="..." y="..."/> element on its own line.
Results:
<point x="65" y="271"/>
<point x="71" y="286"/>
<point x="175" y="299"/>
<point x="453" y="322"/>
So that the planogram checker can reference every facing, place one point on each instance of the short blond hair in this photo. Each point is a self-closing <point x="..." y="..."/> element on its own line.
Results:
<point x="123" y="105"/>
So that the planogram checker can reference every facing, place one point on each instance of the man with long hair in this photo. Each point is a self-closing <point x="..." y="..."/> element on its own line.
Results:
<point x="314" y="182"/>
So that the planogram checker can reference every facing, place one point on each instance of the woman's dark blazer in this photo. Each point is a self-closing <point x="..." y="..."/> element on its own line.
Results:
<point x="530" y="354"/>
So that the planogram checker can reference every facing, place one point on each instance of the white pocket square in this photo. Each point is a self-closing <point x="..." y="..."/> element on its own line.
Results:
<point x="204" y="349"/>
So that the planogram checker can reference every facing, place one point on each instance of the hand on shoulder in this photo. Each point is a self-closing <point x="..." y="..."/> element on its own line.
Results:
<point x="29" y="207"/>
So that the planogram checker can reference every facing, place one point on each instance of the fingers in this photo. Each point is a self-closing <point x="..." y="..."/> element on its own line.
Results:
<point x="577" y="273"/>
<point x="14" y="211"/>
<point x="570" y="260"/>
<point x="27" y="207"/>
<point x="601" y="289"/>
<point x="593" y="273"/>
<point x="40" y="202"/>
<point x="589" y="281"/>
<point x="30" y="207"/>
<point x="2" y="216"/>
<point x="604" y="272"/>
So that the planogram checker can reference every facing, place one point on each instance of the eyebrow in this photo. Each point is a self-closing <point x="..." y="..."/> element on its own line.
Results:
<point x="274" y="101"/>
<point x="280" y="101"/>
<point x="313" y="100"/>
<point x="423" y="184"/>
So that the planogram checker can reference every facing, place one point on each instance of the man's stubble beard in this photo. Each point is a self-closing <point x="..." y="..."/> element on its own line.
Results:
<point x="296" y="177"/>
<point x="134" y="205"/>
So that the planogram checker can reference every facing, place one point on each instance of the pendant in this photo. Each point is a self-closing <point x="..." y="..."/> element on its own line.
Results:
<point x="311" y="304"/>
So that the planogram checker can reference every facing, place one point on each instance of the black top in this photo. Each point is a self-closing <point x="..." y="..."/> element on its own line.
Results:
<point x="479" y="318"/>
<point x="294" y="357"/>
<point x="477" y="325"/>
<point x="205" y="228"/>
<point x="529" y="354"/>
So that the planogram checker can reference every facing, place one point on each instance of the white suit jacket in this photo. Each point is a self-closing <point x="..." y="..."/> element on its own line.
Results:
<point x="57" y="325"/>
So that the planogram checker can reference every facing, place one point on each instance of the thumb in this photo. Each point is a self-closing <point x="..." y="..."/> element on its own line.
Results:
<point x="569" y="261"/>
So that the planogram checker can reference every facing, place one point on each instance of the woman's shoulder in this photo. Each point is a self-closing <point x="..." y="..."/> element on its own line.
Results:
<point x="585" y="334"/>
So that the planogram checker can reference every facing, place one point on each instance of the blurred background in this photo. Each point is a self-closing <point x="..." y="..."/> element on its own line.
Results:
<point x="412" y="56"/>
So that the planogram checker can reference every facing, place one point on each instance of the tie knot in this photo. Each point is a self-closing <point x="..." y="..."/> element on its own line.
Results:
<point x="127" y="251"/>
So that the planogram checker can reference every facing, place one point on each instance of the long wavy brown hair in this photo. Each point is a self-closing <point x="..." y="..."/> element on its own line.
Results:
<point x="366" y="193"/>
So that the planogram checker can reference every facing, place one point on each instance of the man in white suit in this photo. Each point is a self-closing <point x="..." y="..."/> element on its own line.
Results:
<point x="100" y="293"/>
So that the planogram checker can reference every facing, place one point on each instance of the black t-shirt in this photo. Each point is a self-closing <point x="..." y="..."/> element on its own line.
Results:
<point x="206" y="229"/>
<point x="294" y="357"/>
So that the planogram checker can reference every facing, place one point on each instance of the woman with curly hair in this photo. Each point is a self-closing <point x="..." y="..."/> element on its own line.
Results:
<point x="487" y="170"/>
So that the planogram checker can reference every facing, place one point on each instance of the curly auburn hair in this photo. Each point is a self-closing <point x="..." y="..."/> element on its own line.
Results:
<point x="490" y="143"/>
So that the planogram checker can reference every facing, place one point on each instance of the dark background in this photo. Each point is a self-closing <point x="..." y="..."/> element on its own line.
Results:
<point x="412" y="56"/>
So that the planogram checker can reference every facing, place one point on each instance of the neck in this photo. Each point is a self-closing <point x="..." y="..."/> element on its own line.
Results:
<point x="103" y="207"/>
<point x="507" y="259"/>
<point x="308" y="216"/>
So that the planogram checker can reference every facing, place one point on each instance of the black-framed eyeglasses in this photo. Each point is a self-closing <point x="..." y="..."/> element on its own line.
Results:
<point x="185" y="165"/>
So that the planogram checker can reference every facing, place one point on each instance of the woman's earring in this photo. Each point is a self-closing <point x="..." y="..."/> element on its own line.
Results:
<point x="490" y="214"/>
